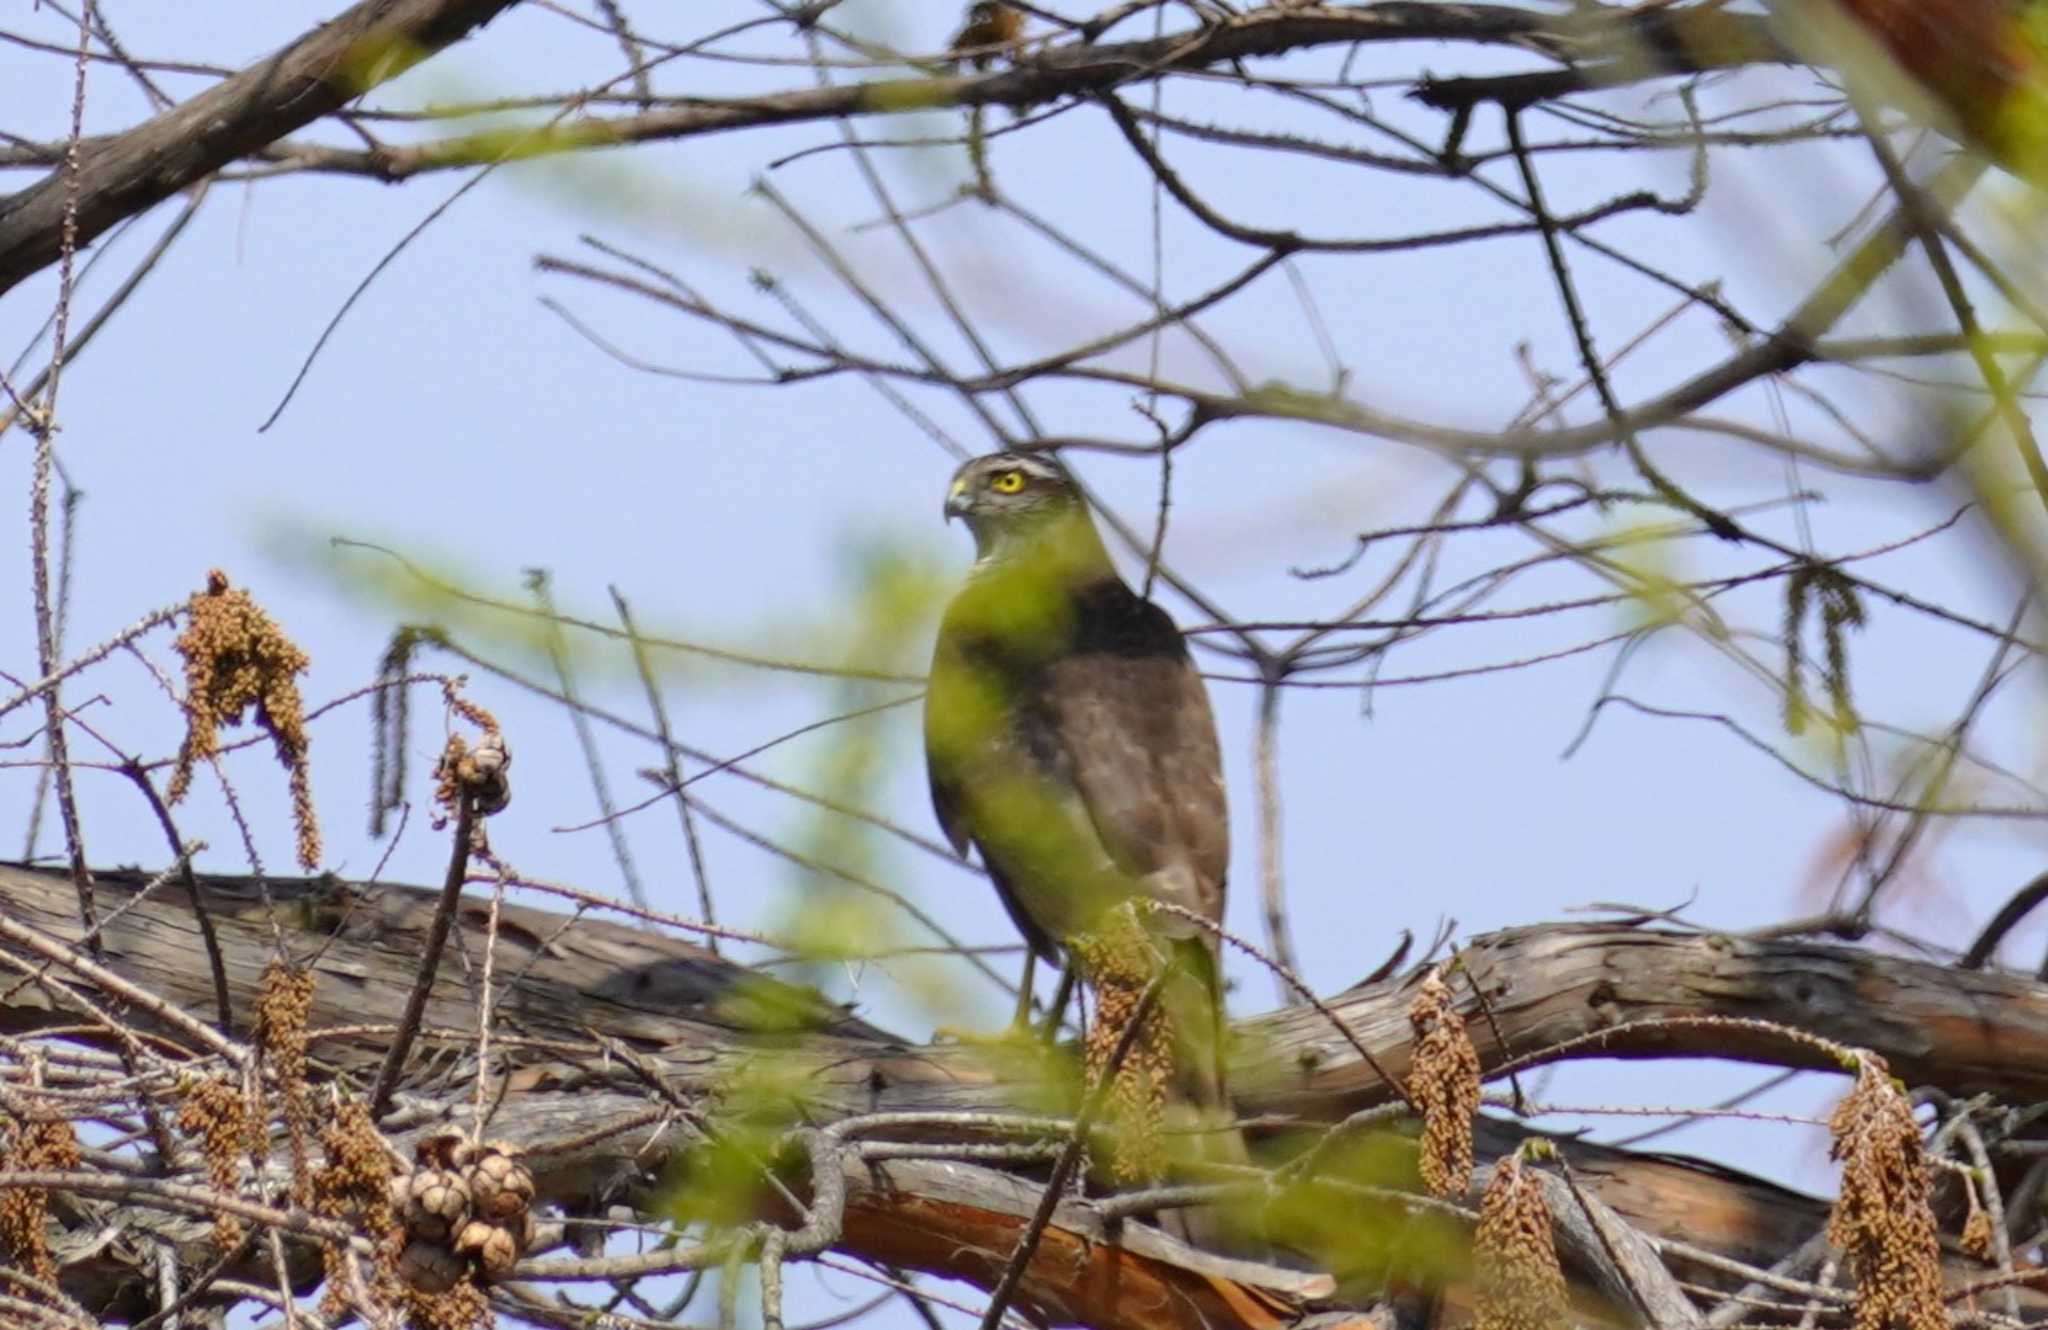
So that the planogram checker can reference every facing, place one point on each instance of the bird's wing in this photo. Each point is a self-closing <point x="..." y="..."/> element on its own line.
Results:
<point x="1133" y="717"/>
<point x="945" y="797"/>
<point x="965" y="743"/>
<point x="955" y="706"/>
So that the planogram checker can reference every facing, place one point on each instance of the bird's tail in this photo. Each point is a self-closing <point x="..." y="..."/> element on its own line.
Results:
<point x="1168" y="1107"/>
<point x="1200" y="1122"/>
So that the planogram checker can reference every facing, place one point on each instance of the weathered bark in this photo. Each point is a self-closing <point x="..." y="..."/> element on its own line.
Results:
<point x="679" y="1013"/>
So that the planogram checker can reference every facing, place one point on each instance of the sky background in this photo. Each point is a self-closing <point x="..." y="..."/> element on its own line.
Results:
<point x="456" y="420"/>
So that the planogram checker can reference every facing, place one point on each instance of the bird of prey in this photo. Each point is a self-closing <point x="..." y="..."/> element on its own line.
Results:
<point x="1069" y="739"/>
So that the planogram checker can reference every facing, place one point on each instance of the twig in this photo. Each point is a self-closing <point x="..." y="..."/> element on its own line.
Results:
<point x="202" y="914"/>
<point x="44" y="430"/>
<point x="1548" y="228"/>
<point x="249" y="850"/>
<point x="187" y="1198"/>
<point x="1926" y="222"/>
<point x="671" y="768"/>
<point x="622" y="854"/>
<point x="115" y="986"/>
<point x="1492" y="1024"/>
<point x="1063" y="1168"/>
<point x="483" y="1001"/>
<point x="773" y="1244"/>
<point x="2016" y="908"/>
<point x="1626" y="1271"/>
<point x="1802" y="1256"/>
<point x="53" y="677"/>
<point x="1814" y="1302"/>
<point x="1985" y="1176"/>
<point x="1294" y="982"/>
<point x="1730" y="1103"/>
<point x="227" y="1261"/>
<point x="1841" y="1055"/>
<point x="1272" y="883"/>
<point x="430" y="957"/>
<point x="66" y="543"/>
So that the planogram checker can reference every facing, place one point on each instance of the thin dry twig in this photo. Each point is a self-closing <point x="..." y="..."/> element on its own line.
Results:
<point x="465" y="822"/>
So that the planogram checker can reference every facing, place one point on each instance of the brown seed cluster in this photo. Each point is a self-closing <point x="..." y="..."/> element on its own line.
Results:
<point x="1444" y="1083"/>
<point x="464" y="1208"/>
<point x="1521" y="1286"/>
<point x="457" y="1307"/>
<point x="237" y="657"/>
<point x="1976" y="1235"/>
<point x="1119" y="962"/>
<point x="471" y="712"/>
<point x="283" y="1002"/>
<point x="31" y="1145"/>
<point x="354" y="1184"/>
<point x="215" y="1113"/>
<point x="1884" y="1215"/>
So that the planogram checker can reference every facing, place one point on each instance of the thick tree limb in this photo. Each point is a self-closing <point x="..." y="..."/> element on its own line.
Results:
<point x="250" y="114"/>
<point x="1650" y="45"/>
<point x="1968" y="1032"/>
<point x="122" y="175"/>
<point x="672" y="1011"/>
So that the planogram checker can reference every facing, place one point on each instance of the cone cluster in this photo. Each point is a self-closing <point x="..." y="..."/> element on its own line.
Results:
<point x="464" y="1206"/>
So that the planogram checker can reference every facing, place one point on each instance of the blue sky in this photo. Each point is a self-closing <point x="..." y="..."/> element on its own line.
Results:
<point x="456" y="420"/>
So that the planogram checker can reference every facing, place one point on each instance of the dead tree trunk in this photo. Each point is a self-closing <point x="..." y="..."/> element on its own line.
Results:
<point x="613" y="1045"/>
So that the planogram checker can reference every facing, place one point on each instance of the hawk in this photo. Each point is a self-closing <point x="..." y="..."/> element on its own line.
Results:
<point x="1069" y="739"/>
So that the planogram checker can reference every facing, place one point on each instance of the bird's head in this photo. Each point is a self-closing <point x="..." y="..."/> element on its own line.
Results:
<point x="1012" y="499"/>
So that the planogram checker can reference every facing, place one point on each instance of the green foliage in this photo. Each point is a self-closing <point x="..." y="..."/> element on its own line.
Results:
<point x="1350" y="1221"/>
<point x="475" y="610"/>
<point x="767" y="1006"/>
<point x="375" y="58"/>
<point x="730" y="1176"/>
<point x="1656" y="587"/>
<point x="435" y="588"/>
<point x="887" y="609"/>
<point x="722" y="1183"/>
<point x="1047" y="1078"/>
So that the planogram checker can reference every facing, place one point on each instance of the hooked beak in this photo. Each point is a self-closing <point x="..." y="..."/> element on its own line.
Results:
<point x="957" y="500"/>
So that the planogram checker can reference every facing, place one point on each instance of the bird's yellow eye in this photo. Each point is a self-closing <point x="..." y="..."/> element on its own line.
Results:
<point x="1007" y="482"/>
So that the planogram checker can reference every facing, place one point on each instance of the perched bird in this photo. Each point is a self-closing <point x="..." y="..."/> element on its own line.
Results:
<point x="990" y="23"/>
<point x="1069" y="739"/>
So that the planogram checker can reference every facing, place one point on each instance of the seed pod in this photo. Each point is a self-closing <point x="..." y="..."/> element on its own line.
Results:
<point x="436" y="1204"/>
<point x="495" y="1246"/>
<point x="501" y="1185"/>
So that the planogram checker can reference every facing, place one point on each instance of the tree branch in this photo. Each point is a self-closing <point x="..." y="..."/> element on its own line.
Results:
<point x="593" y="1138"/>
<point x="124" y="174"/>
